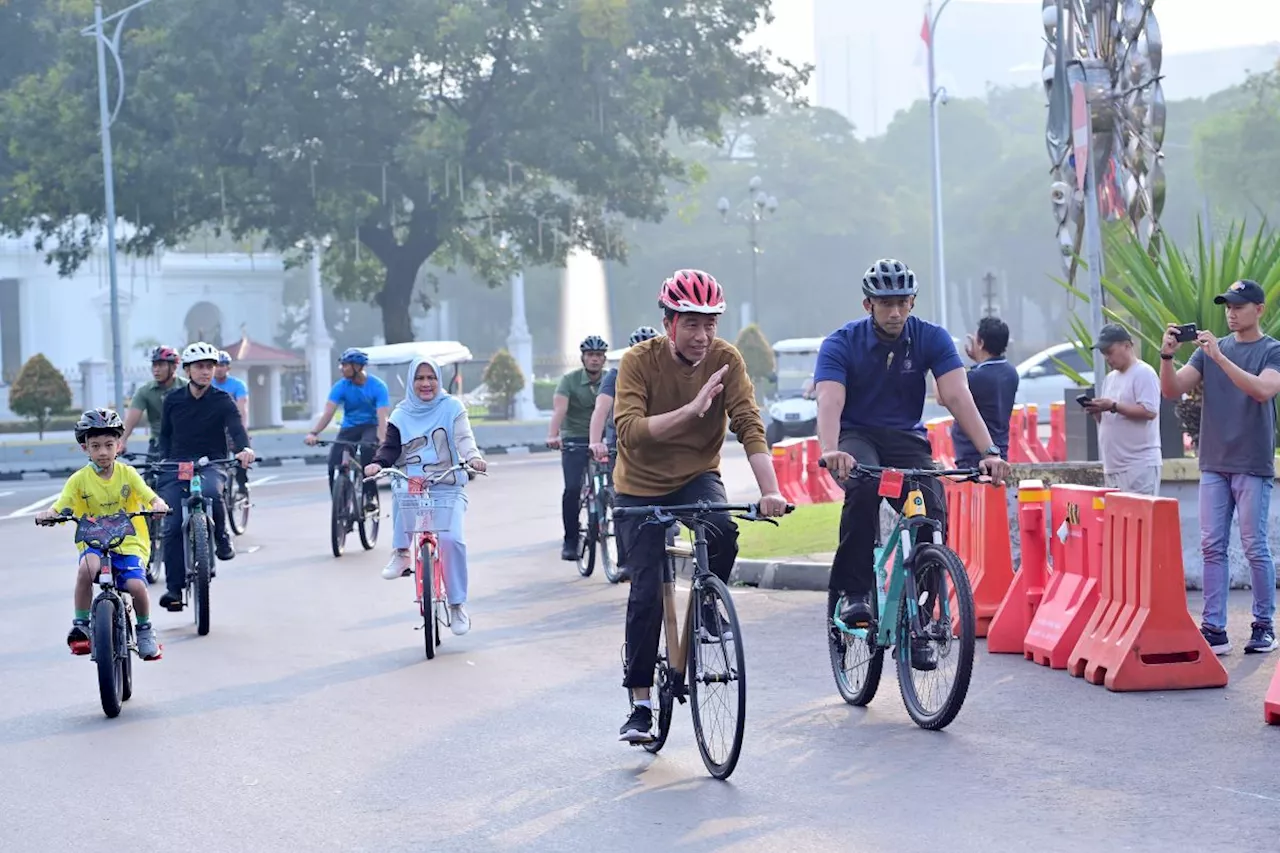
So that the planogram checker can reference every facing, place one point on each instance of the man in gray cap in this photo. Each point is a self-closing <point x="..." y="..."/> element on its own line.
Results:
<point x="1128" y="415"/>
<point x="1241" y="374"/>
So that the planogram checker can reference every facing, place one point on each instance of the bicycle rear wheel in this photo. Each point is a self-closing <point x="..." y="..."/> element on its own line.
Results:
<point x="201" y="566"/>
<point x="664" y="686"/>
<point x="339" y="524"/>
<point x="856" y="662"/>
<point x="126" y="660"/>
<point x="155" y="561"/>
<point x="934" y="703"/>
<point x="110" y="673"/>
<point x="717" y="673"/>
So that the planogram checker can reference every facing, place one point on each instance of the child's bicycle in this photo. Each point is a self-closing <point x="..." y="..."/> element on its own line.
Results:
<point x="425" y="516"/>
<point x="925" y="614"/>
<point x="112" y="635"/>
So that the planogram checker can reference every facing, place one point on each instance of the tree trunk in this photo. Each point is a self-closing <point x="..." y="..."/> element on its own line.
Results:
<point x="395" y="299"/>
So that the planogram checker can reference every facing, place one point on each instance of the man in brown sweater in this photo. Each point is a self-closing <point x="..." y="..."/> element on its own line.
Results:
<point x="674" y="396"/>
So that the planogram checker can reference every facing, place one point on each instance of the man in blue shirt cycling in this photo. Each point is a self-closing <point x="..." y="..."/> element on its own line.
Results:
<point x="870" y="382"/>
<point x="224" y="381"/>
<point x="365" y="408"/>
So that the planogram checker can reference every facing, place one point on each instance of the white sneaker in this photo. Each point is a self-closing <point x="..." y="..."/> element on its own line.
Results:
<point x="398" y="565"/>
<point x="459" y="621"/>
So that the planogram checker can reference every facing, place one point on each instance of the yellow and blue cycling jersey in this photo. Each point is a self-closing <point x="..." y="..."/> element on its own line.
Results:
<point x="85" y="493"/>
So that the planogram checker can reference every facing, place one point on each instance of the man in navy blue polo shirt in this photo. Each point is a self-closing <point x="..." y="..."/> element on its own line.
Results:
<point x="870" y="381"/>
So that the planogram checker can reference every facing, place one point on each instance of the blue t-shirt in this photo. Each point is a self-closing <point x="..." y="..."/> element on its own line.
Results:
<point x="884" y="382"/>
<point x="233" y="386"/>
<point x="360" y="403"/>
<point x="994" y="386"/>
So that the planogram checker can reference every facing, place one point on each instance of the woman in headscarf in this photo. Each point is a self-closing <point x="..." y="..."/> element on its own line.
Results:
<point x="429" y="432"/>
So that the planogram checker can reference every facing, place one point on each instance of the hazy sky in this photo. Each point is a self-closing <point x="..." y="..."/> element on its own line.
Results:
<point x="1187" y="25"/>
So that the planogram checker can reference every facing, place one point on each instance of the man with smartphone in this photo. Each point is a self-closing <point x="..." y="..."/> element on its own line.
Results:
<point x="1128" y="416"/>
<point x="1241" y="375"/>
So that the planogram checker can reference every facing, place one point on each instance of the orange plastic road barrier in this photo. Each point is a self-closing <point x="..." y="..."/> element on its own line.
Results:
<point x="1271" y="704"/>
<point x="939" y="434"/>
<point x="788" y="467"/>
<point x="1031" y="416"/>
<point x="821" y="486"/>
<point x="1008" y="630"/>
<point x="1057" y="432"/>
<point x="1141" y="635"/>
<point x="978" y="531"/>
<point x="1071" y="595"/>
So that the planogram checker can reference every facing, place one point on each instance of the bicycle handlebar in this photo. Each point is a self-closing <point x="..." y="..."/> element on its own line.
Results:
<point x="67" y="515"/>
<point x="870" y="470"/>
<point x="320" y="442"/>
<point x="667" y="514"/>
<point x="434" y="479"/>
<point x="202" y="462"/>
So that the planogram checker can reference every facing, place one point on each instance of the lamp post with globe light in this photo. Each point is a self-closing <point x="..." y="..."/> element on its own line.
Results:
<point x="752" y="210"/>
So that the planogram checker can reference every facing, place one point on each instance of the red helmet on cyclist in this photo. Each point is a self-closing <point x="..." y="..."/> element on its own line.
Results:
<point x="692" y="292"/>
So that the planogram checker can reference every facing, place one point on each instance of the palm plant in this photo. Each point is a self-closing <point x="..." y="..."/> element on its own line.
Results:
<point x="1148" y="291"/>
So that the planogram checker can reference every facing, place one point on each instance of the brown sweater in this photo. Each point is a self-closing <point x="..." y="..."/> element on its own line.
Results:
<point x="651" y="382"/>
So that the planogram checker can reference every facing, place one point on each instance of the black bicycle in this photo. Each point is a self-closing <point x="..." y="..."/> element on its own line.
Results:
<point x="112" y="635"/>
<point x="348" y="507"/>
<point x="235" y="497"/>
<point x="197" y="534"/>
<point x="155" y="526"/>
<point x="595" y="516"/>
<point x="710" y="647"/>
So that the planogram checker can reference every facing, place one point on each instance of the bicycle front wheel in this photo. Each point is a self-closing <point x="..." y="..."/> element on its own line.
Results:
<point x="201" y="570"/>
<point x="586" y="533"/>
<point x="717" y="673"/>
<point x="425" y="568"/>
<point x="370" y="522"/>
<point x="935" y="663"/>
<point x="608" y="540"/>
<point x="338" y="520"/>
<point x="110" y="674"/>
<point x="237" y="506"/>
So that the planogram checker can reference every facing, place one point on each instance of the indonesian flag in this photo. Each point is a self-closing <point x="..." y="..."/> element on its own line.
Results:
<point x="922" y="52"/>
<point x="924" y="30"/>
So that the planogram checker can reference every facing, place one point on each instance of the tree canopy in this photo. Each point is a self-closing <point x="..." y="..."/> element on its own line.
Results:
<point x="402" y="130"/>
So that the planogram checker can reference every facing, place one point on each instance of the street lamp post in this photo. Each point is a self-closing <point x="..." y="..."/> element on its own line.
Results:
<point x="105" y="119"/>
<point x="936" y="94"/>
<point x="752" y="210"/>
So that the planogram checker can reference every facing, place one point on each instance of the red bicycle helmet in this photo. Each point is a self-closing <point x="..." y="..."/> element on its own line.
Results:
<point x="692" y="292"/>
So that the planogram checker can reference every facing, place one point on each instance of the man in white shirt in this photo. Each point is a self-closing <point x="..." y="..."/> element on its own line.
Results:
<point x="1128" y="415"/>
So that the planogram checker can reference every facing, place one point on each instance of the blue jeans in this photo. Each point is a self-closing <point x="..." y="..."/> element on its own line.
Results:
<point x="453" y="545"/>
<point x="1250" y="498"/>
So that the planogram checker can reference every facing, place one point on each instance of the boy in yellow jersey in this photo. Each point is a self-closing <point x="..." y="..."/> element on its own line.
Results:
<point x="104" y="487"/>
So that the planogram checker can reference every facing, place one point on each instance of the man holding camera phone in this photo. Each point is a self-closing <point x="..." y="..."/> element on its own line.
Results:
<point x="1128" y="416"/>
<point x="1241" y="375"/>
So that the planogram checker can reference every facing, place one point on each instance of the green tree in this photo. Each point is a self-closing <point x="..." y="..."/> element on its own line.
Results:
<point x="1238" y="153"/>
<point x="423" y="131"/>
<point x="39" y="392"/>
<point x="757" y="353"/>
<point x="504" y="379"/>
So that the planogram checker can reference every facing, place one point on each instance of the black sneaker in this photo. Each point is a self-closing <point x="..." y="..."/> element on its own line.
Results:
<point x="1263" y="639"/>
<point x="638" y="727"/>
<point x="225" y="550"/>
<point x="569" y="551"/>
<point x="924" y="657"/>
<point x="857" y="611"/>
<point x="171" y="602"/>
<point x="1217" y="639"/>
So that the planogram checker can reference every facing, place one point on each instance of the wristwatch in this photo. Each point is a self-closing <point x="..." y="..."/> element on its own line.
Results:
<point x="991" y="451"/>
<point x="1167" y="356"/>
<point x="1114" y="410"/>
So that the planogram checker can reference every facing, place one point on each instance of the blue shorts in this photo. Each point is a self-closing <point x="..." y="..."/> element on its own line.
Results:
<point x="127" y="566"/>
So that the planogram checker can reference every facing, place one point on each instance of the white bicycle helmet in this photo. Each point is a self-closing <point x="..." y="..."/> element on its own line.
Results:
<point x="199" y="351"/>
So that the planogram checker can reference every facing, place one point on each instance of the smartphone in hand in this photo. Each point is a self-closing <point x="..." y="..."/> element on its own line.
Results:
<point x="1186" y="332"/>
<point x="1083" y="399"/>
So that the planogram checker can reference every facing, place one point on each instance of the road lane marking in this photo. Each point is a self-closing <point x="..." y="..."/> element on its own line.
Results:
<point x="263" y="480"/>
<point x="34" y="506"/>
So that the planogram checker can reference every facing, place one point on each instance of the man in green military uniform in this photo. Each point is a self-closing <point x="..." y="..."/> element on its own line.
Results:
<point x="574" y="401"/>
<point x="148" y="399"/>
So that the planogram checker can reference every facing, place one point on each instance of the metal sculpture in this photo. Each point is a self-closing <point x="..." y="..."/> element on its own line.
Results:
<point x="1114" y="48"/>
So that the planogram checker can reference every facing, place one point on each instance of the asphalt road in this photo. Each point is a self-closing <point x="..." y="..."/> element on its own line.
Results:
<point x="309" y="719"/>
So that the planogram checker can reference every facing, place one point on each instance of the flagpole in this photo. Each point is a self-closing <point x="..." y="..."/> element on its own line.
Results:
<point x="940" y="264"/>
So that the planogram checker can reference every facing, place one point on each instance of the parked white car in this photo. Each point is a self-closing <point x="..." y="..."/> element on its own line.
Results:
<point x="1041" y="382"/>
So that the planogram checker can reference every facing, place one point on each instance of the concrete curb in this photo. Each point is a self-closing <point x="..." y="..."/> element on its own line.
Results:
<point x="771" y="574"/>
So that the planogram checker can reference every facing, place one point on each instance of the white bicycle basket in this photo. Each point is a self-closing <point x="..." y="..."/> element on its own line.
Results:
<point x="426" y="512"/>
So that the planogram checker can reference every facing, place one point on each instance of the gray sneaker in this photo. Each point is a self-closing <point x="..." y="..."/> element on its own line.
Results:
<point x="148" y="648"/>
<point x="1263" y="639"/>
<point x="1217" y="639"/>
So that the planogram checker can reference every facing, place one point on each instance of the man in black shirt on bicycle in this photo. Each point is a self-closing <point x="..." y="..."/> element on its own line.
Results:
<point x="196" y="422"/>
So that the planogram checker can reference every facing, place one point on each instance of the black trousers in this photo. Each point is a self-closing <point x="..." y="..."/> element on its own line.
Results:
<point x="853" y="569"/>
<point x="643" y="550"/>
<point x="573" y="460"/>
<point x="174" y="492"/>
<point x="366" y="433"/>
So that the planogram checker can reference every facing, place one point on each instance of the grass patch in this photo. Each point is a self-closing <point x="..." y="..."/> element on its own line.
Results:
<point x="811" y="529"/>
